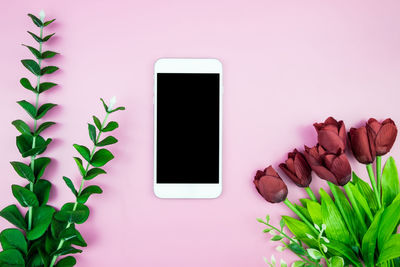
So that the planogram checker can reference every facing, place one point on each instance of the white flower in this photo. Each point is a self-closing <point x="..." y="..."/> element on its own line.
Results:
<point x="112" y="103"/>
<point x="42" y="15"/>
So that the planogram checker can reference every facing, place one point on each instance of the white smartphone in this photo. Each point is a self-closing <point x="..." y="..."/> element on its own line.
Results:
<point x="188" y="128"/>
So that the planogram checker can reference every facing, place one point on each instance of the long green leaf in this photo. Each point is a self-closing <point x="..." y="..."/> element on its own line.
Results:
<point x="11" y="258"/>
<point x="84" y="151"/>
<point x="29" y="108"/>
<point x="23" y="170"/>
<point x="390" y="182"/>
<point x="109" y="140"/>
<point x="45" y="86"/>
<point x="369" y="240"/>
<point x="391" y="249"/>
<point x="44" y="126"/>
<point x="87" y="192"/>
<point x="43" y="110"/>
<point x="389" y="221"/>
<point x="32" y="66"/>
<point x="22" y="127"/>
<point x="48" y="70"/>
<point x="13" y="215"/>
<point x="24" y="196"/>
<point x="315" y="211"/>
<point x="70" y="184"/>
<point x="366" y="191"/>
<point x="35" y="20"/>
<point x="41" y="219"/>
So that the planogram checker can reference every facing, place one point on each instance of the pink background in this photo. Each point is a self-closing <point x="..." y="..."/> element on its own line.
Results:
<point x="287" y="64"/>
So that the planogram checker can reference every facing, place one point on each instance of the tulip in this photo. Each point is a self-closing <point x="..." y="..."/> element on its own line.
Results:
<point x="298" y="170"/>
<point x="270" y="186"/>
<point x="334" y="168"/>
<point x="331" y="135"/>
<point x="363" y="149"/>
<point x="381" y="135"/>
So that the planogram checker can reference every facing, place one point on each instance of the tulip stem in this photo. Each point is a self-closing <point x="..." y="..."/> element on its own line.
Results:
<point x="334" y="189"/>
<point x="355" y="206"/>
<point x="373" y="183"/>
<point x="301" y="216"/>
<point x="311" y="194"/>
<point x="379" y="172"/>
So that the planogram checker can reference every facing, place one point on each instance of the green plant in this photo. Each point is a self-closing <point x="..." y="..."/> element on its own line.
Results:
<point x="45" y="233"/>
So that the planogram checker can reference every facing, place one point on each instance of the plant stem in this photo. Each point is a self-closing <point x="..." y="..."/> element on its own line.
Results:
<point x="355" y="206"/>
<point x="341" y="209"/>
<point x="373" y="183"/>
<point x="311" y="194"/>
<point x="379" y="173"/>
<point x="30" y="210"/>
<point x="80" y="188"/>
<point x="301" y="216"/>
<point x="298" y="255"/>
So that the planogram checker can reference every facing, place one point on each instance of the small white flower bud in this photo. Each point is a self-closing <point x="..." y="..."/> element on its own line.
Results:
<point x="42" y="15"/>
<point x="112" y="103"/>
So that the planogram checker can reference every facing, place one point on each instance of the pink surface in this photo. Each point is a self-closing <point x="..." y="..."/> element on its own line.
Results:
<point x="287" y="64"/>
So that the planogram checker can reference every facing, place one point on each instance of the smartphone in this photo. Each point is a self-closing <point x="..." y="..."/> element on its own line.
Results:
<point x="188" y="128"/>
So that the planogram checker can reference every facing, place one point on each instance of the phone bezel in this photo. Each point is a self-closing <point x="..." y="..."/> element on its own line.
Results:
<point x="186" y="65"/>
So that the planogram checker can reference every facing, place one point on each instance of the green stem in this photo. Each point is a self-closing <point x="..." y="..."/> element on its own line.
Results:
<point x="30" y="210"/>
<point x="301" y="216"/>
<point x="355" y="207"/>
<point x="321" y="250"/>
<point x="373" y="183"/>
<point x="53" y="260"/>
<point x="342" y="211"/>
<point x="379" y="173"/>
<point x="298" y="255"/>
<point x="311" y="194"/>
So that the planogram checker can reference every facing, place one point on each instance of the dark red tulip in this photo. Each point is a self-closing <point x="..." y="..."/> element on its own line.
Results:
<point x="381" y="135"/>
<point x="334" y="168"/>
<point x="270" y="185"/>
<point x="331" y="135"/>
<point x="363" y="149"/>
<point x="297" y="169"/>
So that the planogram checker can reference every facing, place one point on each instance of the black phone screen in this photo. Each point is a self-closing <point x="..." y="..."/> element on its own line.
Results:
<point x="188" y="128"/>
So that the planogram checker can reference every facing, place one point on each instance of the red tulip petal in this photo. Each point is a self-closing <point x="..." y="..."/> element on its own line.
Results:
<point x="325" y="174"/>
<point x="290" y="165"/>
<point x="330" y="141"/>
<point x="342" y="133"/>
<point x="360" y="145"/>
<point x="290" y="174"/>
<point x="259" y="174"/>
<point x="302" y="170"/>
<point x="328" y="160"/>
<point x="374" y="125"/>
<point x="341" y="169"/>
<point x="273" y="189"/>
<point x="269" y="171"/>
<point x="385" y="139"/>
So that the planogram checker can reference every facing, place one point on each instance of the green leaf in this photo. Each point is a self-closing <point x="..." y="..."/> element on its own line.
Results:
<point x="389" y="221"/>
<point x="43" y="109"/>
<point x="92" y="132"/>
<point x="119" y="108"/>
<point x="22" y="127"/>
<point x="48" y="70"/>
<point x="84" y="151"/>
<point x="109" y="140"/>
<point x="303" y="211"/>
<point x="80" y="165"/>
<point x="34" y="51"/>
<point x="277" y="238"/>
<point x="296" y="248"/>
<point x="101" y="157"/>
<point x="369" y="240"/>
<point x="390" y="182"/>
<point x="42" y="191"/>
<point x="44" y="126"/>
<point x="35" y="20"/>
<point x="315" y="254"/>
<point x="71" y="186"/>
<point x="11" y="258"/>
<point x="24" y="196"/>
<point x="46" y="38"/>
<point x="13" y="215"/>
<point x="66" y="250"/>
<point x="48" y="22"/>
<point x="32" y="66"/>
<point x="298" y="264"/>
<point x="40" y="166"/>
<point x="45" y="86"/>
<point x="29" y="108"/>
<point x="92" y="173"/>
<point x="339" y="249"/>
<point x="27" y="84"/>
<point x="97" y="122"/>
<point x="68" y="214"/>
<point x="25" y="143"/>
<point x="57" y="227"/>
<point x="12" y="238"/>
<point x="104" y="105"/>
<point x="390" y="250"/>
<point x="336" y="229"/>
<point x="314" y="209"/>
<point x="23" y="170"/>
<point x="366" y="191"/>
<point x="300" y="230"/>
<point x="41" y="219"/>
<point x="48" y="54"/>
<point x="37" y="38"/>
<point x="336" y="261"/>
<point x="361" y="200"/>
<point x="112" y="125"/>
<point x="87" y="192"/>
<point x="73" y="236"/>
<point x="66" y="262"/>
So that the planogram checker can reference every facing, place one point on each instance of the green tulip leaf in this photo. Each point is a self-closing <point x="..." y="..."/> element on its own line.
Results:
<point x="28" y="107"/>
<point x="361" y="200"/>
<point x="369" y="240"/>
<point x="78" y="215"/>
<point x="41" y="219"/>
<point x="92" y="132"/>
<point x="23" y="170"/>
<point x="366" y="191"/>
<point x="84" y="151"/>
<point x="112" y="125"/>
<point x="27" y="84"/>
<point x="13" y="215"/>
<point x="12" y="238"/>
<point x="70" y="184"/>
<point x="35" y="20"/>
<point x="314" y="209"/>
<point x="45" y="86"/>
<point x="43" y="110"/>
<point x="390" y="182"/>
<point x="303" y="211"/>
<point x="300" y="230"/>
<point x="11" y="258"/>
<point x="87" y="192"/>
<point x="337" y="248"/>
<point x="22" y="127"/>
<point x="390" y="250"/>
<point x="389" y="222"/>
<point x="92" y="173"/>
<point x="32" y="66"/>
<point x="109" y="140"/>
<point x="24" y="196"/>
<point x="101" y="157"/>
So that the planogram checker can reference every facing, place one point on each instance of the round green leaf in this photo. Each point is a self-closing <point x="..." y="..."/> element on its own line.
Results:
<point x="92" y="173"/>
<point x="112" y="125"/>
<point x="42" y="191"/>
<point x="66" y="262"/>
<point x="27" y="84"/>
<point x="11" y="258"/>
<point x="22" y="127"/>
<point x="32" y="66"/>
<point x="25" y="197"/>
<point x="41" y="219"/>
<point x="109" y="140"/>
<point x="87" y="192"/>
<point x="12" y="214"/>
<point x="13" y="239"/>
<point x="23" y="170"/>
<point x="84" y="151"/>
<point x="78" y="215"/>
<point x="101" y="157"/>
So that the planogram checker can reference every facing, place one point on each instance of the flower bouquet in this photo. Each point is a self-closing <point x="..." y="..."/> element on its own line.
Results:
<point x="357" y="225"/>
